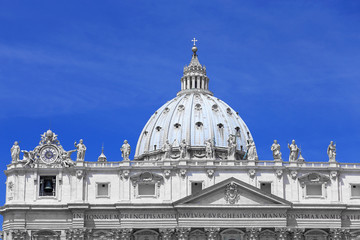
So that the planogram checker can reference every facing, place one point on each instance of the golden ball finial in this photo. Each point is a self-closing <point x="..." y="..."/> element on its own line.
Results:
<point x="194" y="49"/>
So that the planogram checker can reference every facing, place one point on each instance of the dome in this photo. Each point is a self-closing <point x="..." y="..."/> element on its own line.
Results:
<point x="195" y="116"/>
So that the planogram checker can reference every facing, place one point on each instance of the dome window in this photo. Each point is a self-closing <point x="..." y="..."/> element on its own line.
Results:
<point x="228" y="110"/>
<point x="198" y="107"/>
<point x="215" y="107"/>
<point x="199" y="124"/>
<point x="220" y="126"/>
<point x="181" y="107"/>
<point x="166" y="110"/>
<point x="146" y="132"/>
<point x="158" y="128"/>
<point x="177" y="125"/>
<point x="237" y="130"/>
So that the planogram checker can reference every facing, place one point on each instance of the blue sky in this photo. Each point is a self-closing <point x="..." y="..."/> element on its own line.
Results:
<point x="97" y="70"/>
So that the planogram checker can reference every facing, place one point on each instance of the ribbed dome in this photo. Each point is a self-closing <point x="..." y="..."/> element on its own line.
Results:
<point x="194" y="115"/>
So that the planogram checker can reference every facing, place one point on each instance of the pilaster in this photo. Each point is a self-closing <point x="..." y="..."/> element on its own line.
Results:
<point x="281" y="233"/>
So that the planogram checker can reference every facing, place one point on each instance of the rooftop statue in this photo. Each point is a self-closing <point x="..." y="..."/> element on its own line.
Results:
<point x="331" y="152"/>
<point x="294" y="151"/>
<point x="167" y="148"/>
<point x="209" y="149"/>
<point x="66" y="158"/>
<point x="15" y="152"/>
<point x="275" y="148"/>
<point x="81" y="149"/>
<point x="125" y="150"/>
<point x="29" y="158"/>
<point x="231" y="147"/>
<point x="183" y="149"/>
<point x="251" y="150"/>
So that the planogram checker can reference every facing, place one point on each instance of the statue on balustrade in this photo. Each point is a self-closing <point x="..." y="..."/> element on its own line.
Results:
<point x="29" y="158"/>
<point x="81" y="149"/>
<point x="66" y="158"/>
<point x="231" y="147"/>
<point x="209" y="149"/>
<point x="167" y="148"/>
<point x="294" y="151"/>
<point x="275" y="148"/>
<point x="15" y="152"/>
<point x="331" y="151"/>
<point x="183" y="149"/>
<point x="251" y="150"/>
<point x="125" y="150"/>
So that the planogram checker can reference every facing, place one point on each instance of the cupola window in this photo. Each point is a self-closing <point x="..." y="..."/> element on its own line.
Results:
<point x="199" y="124"/>
<point x="215" y="107"/>
<point x="220" y="126"/>
<point x="177" y="125"/>
<point x="158" y="128"/>
<point x="228" y="110"/>
<point x="198" y="107"/>
<point x="181" y="107"/>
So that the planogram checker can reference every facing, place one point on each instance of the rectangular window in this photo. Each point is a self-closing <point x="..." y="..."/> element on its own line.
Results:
<point x="314" y="190"/>
<point x="196" y="187"/>
<point x="102" y="189"/>
<point x="146" y="189"/>
<point x="47" y="186"/>
<point x="355" y="190"/>
<point x="266" y="187"/>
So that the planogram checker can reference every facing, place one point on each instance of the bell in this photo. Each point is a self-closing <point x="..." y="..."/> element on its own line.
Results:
<point x="48" y="185"/>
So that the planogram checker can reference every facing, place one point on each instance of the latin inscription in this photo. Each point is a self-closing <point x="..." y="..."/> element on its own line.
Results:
<point x="106" y="216"/>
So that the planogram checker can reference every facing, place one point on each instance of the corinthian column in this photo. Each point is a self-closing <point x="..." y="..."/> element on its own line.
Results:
<point x="77" y="234"/>
<point x="298" y="233"/>
<point x="182" y="233"/>
<point x="281" y="233"/>
<point x="166" y="233"/>
<point x="212" y="233"/>
<point x="253" y="233"/>
<point x="18" y="234"/>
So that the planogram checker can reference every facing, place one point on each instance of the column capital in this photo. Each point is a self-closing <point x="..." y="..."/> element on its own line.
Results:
<point x="339" y="234"/>
<point x="282" y="233"/>
<point x="183" y="233"/>
<point x="212" y="233"/>
<point x="253" y="233"/>
<point x="18" y="234"/>
<point x="166" y="233"/>
<point x="77" y="233"/>
<point x="297" y="233"/>
<point x="125" y="233"/>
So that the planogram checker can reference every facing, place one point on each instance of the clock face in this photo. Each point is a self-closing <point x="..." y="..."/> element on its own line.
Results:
<point x="49" y="154"/>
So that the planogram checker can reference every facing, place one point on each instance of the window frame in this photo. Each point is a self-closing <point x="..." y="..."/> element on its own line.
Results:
<point x="271" y="185"/>
<point x="351" y="187"/>
<point x="55" y="196"/>
<point x="97" y="190"/>
<point x="196" y="181"/>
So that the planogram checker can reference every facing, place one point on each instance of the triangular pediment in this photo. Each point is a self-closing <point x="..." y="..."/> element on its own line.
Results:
<point x="232" y="192"/>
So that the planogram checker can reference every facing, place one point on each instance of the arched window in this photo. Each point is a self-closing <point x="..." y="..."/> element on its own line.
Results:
<point x="316" y="234"/>
<point x="146" y="235"/>
<point x="232" y="234"/>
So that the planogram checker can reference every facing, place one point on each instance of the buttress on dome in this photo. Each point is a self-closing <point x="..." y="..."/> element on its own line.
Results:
<point x="195" y="116"/>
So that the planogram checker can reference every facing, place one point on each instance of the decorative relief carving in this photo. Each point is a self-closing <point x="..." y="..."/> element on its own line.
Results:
<point x="282" y="233"/>
<point x="18" y="234"/>
<point x="182" y="233"/>
<point x="232" y="194"/>
<point x="212" y="233"/>
<point x="334" y="174"/>
<point x="11" y="190"/>
<point x="313" y="178"/>
<point x="297" y="233"/>
<point x="253" y="233"/>
<point x="167" y="173"/>
<point x="166" y="233"/>
<point x="210" y="173"/>
<point x="125" y="174"/>
<point x="252" y="173"/>
<point x="293" y="174"/>
<point x="182" y="172"/>
<point x="77" y="233"/>
<point x="126" y="233"/>
<point x="279" y="173"/>
<point x="80" y="174"/>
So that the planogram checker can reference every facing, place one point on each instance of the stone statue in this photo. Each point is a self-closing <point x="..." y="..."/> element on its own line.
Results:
<point x="294" y="151"/>
<point x="15" y="152"/>
<point x="29" y="158"/>
<point x="231" y="146"/>
<point x="331" y="151"/>
<point x="251" y="150"/>
<point x="81" y="149"/>
<point x="167" y="149"/>
<point x="66" y="158"/>
<point x="125" y="150"/>
<point x="209" y="149"/>
<point x="183" y="149"/>
<point x="275" y="148"/>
